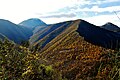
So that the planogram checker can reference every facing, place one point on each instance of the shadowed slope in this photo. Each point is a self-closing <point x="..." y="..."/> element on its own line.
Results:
<point x="99" y="36"/>
<point x="14" y="32"/>
<point x="111" y="27"/>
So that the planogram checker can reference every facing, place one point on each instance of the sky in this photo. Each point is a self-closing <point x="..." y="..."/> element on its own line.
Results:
<point x="97" y="12"/>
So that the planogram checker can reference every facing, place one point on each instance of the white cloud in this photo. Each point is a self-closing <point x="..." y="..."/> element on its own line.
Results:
<point x="103" y="1"/>
<point x="19" y="10"/>
<point x="68" y="15"/>
<point x="57" y="20"/>
<point x="102" y="19"/>
<point x="97" y="9"/>
<point x="96" y="20"/>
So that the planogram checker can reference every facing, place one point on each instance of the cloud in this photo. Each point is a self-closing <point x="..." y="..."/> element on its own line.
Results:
<point x="19" y="10"/>
<point x="108" y="7"/>
<point x="102" y="19"/>
<point x="104" y="1"/>
<point x="98" y="9"/>
<point x="57" y="20"/>
<point x="50" y="10"/>
<point x="63" y="15"/>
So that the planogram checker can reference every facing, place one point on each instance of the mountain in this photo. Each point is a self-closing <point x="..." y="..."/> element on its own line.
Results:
<point x="96" y="35"/>
<point x="46" y="35"/>
<point x="111" y="27"/>
<point x="14" y="32"/>
<point x="77" y="49"/>
<point x="99" y="36"/>
<point x="76" y="52"/>
<point x="32" y="23"/>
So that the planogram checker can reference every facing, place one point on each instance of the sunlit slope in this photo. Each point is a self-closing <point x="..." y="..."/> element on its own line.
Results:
<point x="74" y="57"/>
<point x="43" y="37"/>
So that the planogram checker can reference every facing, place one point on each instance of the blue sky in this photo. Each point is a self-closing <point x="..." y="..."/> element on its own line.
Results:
<point x="97" y="12"/>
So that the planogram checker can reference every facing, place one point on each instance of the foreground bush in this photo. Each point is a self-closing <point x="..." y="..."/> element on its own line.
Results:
<point x="109" y="67"/>
<point x="18" y="63"/>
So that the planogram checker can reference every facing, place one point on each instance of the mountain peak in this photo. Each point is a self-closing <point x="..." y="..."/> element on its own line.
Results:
<point x="32" y="23"/>
<point x="111" y="27"/>
<point x="5" y="21"/>
<point x="109" y="23"/>
<point x="32" y="19"/>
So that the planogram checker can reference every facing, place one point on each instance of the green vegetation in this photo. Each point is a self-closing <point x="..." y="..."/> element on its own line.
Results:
<point x="18" y="63"/>
<point x="25" y="43"/>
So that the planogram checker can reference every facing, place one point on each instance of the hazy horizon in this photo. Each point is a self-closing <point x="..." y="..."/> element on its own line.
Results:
<point x="53" y="11"/>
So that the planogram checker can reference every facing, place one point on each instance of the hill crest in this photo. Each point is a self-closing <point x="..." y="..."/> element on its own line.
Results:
<point x="32" y="23"/>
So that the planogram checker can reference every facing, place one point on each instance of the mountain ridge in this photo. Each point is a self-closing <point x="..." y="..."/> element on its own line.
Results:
<point x="96" y="35"/>
<point x="13" y="31"/>
<point x="104" y="36"/>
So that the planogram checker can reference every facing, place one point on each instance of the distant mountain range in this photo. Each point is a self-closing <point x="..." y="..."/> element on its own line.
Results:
<point x="20" y="32"/>
<point x="41" y="34"/>
<point x="14" y="32"/>
<point x="111" y="27"/>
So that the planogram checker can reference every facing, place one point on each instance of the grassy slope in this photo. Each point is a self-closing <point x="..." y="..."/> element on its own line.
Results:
<point x="73" y="56"/>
